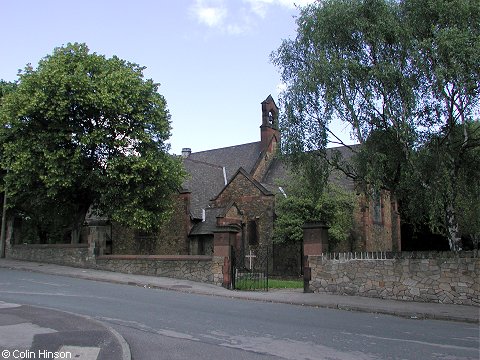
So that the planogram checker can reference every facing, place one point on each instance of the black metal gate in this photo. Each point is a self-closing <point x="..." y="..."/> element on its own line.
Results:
<point x="250" y="268"/>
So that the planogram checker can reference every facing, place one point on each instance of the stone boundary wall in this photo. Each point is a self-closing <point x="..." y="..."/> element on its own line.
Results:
<point x="78" y="255"/>
<point x="208" y="269"/>
<point x="442" y="277"/>
<point x="200" y="268"/>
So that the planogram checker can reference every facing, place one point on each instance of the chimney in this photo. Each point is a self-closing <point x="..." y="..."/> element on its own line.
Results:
<point x="186" y="152"/>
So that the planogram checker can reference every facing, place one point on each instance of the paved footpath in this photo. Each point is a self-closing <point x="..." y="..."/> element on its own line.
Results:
<point x="409" y="309"/>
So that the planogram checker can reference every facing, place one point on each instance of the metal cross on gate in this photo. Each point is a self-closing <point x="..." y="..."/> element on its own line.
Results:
<point x="250" y="257"/>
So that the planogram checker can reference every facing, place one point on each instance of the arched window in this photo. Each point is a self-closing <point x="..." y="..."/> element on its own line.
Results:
<point x="271" y="119"/>
<point x="377" y="213"/>
<point x="252" y="233"/>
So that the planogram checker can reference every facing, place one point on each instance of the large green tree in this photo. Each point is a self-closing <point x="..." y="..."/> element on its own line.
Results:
<point x="84" y="131"/>
<point x="444" y="51"/>
<point x="5" y="88"/>
<point x="401" y="74"/>
<point x="440" y="188"/>
<point x="300" y="203"/>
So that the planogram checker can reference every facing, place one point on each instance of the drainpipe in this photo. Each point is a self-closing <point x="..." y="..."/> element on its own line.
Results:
<point x="225" y="175"/>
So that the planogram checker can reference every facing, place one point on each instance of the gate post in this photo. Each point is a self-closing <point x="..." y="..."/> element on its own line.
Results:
<point x="315" y="242"/>
<point x="223" y="239"/>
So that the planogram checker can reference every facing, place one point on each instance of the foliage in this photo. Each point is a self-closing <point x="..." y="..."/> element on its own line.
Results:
<point x="400" y="73"/>
<point x="433" y="176"/>
<point x="84" y="130"/>
<point x="335" y="207"/>
<point x="5" y="88"/>
<point x="348" y="62"/>
<point x="445" y="53"/>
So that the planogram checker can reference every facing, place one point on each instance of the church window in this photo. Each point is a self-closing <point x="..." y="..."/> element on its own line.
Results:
<point x="270" y="118"/>
<point x="252" y="233"/>
<point x="377" y="215"/>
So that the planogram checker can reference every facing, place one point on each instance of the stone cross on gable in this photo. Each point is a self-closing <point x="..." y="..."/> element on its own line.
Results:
<point x="250" y="257"/>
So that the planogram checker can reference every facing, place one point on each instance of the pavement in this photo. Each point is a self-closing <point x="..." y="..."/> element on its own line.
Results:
<point x="39" y="329"/>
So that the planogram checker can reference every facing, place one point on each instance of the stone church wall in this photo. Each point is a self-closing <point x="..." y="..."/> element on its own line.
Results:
<point x="443" y="277"/>
<point x="254" y="205"/>
<point x="369" y="235"/>
<point x="170" y="240"/>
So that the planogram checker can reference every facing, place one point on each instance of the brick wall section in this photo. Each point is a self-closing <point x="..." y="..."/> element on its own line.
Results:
<point x="263" y="163"/>
<point x="370" y="235"/>
<point x="443" y="277"/>
<point x="379" y="235"/>
<point x="78" y="255"/>
<point x="173" y="236"/>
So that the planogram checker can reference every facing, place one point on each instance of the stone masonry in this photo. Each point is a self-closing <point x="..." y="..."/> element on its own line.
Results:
<point x="443" y="277"/>
<point x="79" y="255"/>
<point x="254" y="201"/>
<point x="195" y="268"/>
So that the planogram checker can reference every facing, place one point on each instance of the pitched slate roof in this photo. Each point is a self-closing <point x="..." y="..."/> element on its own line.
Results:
<point x="232" y="157"/>
<point x="210" y="170"/>
<point x="210" y="224"/>
<point x="278" y="171"/>
<point x="204" y="181"/>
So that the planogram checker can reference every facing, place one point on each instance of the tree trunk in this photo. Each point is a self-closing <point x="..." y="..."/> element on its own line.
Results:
<point x="78" y="223"/>
<point x="453" y="163"/>
<point x="451" y="221"/>
<point x="454" y="240"/>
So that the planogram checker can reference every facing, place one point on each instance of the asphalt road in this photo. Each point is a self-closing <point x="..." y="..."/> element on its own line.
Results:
<point x="161" y="324"/>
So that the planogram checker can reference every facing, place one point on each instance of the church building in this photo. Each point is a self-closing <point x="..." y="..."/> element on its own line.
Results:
<point x="233" y="189"/>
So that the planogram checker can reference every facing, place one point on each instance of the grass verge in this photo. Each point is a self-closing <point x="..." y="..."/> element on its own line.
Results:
<point x="247" y="284"/>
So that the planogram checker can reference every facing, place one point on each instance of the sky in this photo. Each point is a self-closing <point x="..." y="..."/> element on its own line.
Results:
<point x="210" y="57"/>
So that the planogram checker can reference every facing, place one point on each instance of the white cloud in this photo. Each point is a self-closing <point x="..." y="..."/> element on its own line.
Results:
<point x="238" y="20"/>
<point x="260" y="7"/>
<point x="210" y="13"/>
<point x="215" y="14"/>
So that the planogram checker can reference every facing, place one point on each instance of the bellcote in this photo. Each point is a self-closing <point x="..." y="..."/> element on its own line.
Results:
<point x="269" y="113"/>
<point x="269" y="133"/>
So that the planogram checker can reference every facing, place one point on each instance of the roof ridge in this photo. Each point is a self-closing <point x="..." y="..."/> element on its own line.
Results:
<point x="204" y="162"/>
<point x="225" y="147"/>
<point x="250" y="178"/>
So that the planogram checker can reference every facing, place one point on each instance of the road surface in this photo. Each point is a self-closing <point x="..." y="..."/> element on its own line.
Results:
<point x="161" y="324"/>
